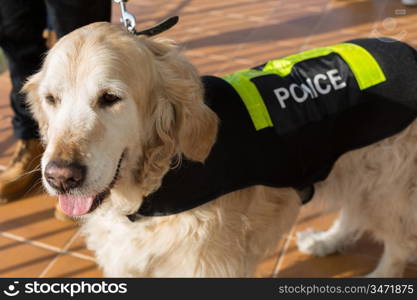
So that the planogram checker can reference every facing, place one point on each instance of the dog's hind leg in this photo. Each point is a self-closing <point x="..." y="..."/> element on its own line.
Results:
<point x="341" y="234"/>
<point x="394" y="260"/>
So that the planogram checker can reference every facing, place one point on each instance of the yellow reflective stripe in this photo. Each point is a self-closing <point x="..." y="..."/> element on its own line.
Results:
<point x="248" y="92"/>
<point x="362" y="64"/>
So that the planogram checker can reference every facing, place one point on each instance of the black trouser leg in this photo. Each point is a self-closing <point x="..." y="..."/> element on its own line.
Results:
<point x="21" y="26"/>
<point x="67" y="15"/>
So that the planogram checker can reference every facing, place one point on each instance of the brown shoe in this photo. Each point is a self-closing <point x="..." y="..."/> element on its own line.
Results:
<point x="21" y="174"/>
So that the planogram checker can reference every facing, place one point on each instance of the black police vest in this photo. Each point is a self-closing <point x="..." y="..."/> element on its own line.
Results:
<point x="285" y="123"/>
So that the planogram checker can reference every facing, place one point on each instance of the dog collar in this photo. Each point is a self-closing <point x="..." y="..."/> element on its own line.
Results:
<point x="305" y="195"/>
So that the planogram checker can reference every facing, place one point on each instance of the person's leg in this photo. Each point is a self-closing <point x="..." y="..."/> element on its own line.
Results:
<point x="68" y="15"/>
<point x="21" y="26"/>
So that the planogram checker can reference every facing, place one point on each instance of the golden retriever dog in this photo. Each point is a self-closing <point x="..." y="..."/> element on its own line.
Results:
<point x="115" y="110"/>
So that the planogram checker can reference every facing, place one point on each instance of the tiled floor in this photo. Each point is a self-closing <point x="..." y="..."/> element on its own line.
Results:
<point x="219" y="37"/>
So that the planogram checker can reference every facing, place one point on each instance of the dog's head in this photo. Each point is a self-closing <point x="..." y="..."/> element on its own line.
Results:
<point x="114" y="110"/>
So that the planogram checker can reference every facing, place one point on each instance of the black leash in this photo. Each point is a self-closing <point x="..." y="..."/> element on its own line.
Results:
<point x="129" y="21"/>
<point x="160" y="27"/>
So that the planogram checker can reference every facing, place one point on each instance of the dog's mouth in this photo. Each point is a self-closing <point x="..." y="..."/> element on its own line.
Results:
<point x="77" y="206"/>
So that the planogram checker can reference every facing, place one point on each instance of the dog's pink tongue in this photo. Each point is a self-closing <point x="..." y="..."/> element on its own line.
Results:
<point x="75" y="205"/>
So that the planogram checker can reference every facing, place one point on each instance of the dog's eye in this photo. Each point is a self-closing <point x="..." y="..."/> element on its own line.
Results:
<point x="108" y="99"/>
<point x="50" y="99"/>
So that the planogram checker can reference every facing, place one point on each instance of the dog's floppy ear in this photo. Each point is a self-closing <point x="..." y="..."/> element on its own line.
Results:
<point x="30" y="88"/>
<point x="194" y="125"/>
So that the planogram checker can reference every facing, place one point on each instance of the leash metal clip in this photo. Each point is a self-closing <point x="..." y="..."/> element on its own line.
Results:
<point x="128" y="19"/>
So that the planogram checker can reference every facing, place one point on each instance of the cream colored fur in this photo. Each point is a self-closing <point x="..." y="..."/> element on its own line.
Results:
<point x="161" y="116"/>
<point x="376" y="189"/>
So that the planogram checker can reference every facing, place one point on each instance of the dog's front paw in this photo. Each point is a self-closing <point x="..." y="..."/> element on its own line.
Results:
<point x="315" y="243"/>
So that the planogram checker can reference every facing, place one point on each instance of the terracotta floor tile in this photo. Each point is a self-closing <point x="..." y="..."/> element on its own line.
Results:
<point x="356" y="260"/>
<point x="257" y="54"/>
<point x="22" y="260"/>
<point x="69" y="266"/>
<point x="297" y="264"/>
<point x="341" y="15"/>
<point x="267" y="267"/>
<point x="7" y="141"/>
<point x="226" y="68"/>
<point x="6" y="136"/>
<point x="228" y="40"/>
<point x="33" y="218"/>
<point x="5" y="86"/>
<point x="410" y="273"/>
<point x="79" y="246"/>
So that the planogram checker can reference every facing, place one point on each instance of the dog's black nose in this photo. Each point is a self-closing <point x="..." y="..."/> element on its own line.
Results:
<point x="63" y="175"/>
